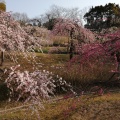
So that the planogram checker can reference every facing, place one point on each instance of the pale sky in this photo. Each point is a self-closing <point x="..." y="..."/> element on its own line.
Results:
<point x="35" y="8"/>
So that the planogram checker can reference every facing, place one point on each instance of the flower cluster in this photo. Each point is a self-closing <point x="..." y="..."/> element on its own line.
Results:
<point x="42" y="36"/>
<point x="12" y="36"/>
<point x="36" y="85"/>
<point x="29" y="86"/>
<point x="62" y="85"/>
<point x="64" y="26"/>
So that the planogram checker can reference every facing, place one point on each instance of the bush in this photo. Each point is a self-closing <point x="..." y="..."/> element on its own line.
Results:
<point x="29" y="86"/>
<point x="35" y="86"/>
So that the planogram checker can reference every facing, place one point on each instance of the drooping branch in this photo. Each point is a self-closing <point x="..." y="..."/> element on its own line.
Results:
<point x="13" y="37"/>
<point x="105" y="51"/>
<point x="74" y="30"/>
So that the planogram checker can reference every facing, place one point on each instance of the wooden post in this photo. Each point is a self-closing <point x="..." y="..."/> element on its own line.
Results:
<point x="2" y="58"/>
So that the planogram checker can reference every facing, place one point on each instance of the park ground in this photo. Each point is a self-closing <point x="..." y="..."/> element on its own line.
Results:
<point x="86" y="106"/>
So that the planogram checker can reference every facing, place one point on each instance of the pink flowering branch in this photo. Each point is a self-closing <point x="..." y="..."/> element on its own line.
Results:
<point x="13" y="37"/>
<point x="73" y="30"/>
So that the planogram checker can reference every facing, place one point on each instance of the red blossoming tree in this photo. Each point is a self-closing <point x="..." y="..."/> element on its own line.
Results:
<point x="108" y="49"/>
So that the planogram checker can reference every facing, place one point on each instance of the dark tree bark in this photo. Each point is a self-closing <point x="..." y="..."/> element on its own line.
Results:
<point x="118" y="65"/>
<point x="2" y="58"/>
<point x="71" y="49"/>
<point x="68" y="46"/>
<point x="71" y="43"/>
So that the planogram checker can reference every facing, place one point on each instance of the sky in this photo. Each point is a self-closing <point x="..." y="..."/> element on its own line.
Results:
<point x="34" y="8"/>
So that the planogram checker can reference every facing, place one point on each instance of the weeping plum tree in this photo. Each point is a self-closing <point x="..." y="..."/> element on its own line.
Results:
<point x="13" y="37"/>
<point x="113" y="48"/>
<point x="106" y="50"/>
<point x="74" y="30"/>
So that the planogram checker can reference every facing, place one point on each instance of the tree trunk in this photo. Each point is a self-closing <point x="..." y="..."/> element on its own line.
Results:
<point x="118" y="65"/>
<point x="118" y="69"/>
<point x="71" y="49"/>
<point x="68" y="46"/>
<point x="71" y="43"/>
<point x="2" y="58"/>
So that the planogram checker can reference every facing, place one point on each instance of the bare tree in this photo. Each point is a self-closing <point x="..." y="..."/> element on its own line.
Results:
<point x="66" y="13"/>
<point x="21" y="17"/>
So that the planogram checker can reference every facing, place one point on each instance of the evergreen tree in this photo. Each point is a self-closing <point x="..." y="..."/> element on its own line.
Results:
<point x="100" y="17"/>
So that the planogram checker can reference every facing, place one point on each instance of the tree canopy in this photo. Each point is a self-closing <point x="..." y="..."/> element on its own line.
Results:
<point x="2" y="6"/>
<point x="99" y="17"/>
<point x="57" y="12"/>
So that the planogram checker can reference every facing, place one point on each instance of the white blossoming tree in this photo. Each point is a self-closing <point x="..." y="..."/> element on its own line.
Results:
<point x="13" y="37"/>
<point x="23" y="84"/>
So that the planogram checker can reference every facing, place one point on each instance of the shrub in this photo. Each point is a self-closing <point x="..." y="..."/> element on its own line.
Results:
<point x="35" y="85"/>
<point x="29" y="86"/>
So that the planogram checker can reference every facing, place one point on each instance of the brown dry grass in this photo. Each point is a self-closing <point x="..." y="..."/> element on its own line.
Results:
<point x="88" y="107"/>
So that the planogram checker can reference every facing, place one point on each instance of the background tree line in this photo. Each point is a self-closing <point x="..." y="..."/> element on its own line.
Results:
<point x="49" y="18"/>
<point x="100" y="17"/>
